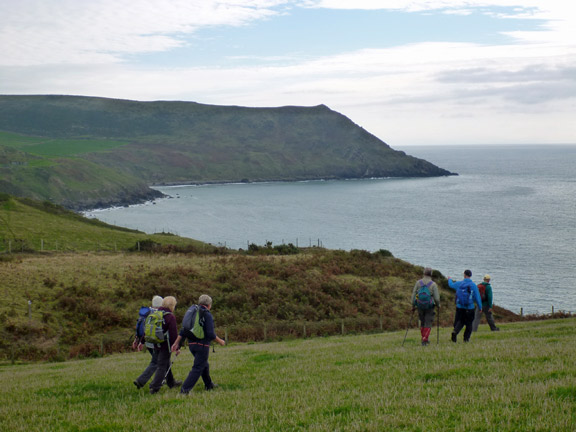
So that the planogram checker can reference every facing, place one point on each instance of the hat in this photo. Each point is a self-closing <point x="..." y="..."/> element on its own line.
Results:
<point x="157" y="301"/>
<point x="468" y="273"/>
<point x="487" y="277"/>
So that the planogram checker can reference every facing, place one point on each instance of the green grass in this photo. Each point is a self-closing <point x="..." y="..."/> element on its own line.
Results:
<point x="519" y="379"/>
<point x="52" y="148"/>
<point x="30" y="225"/>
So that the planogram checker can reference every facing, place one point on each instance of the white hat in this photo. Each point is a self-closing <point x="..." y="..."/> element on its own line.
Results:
<point x="157" y="301"/>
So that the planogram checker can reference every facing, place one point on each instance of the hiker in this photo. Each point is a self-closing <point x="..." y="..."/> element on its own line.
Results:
<point x="139" y="343"/>
<point x="162" y="349"/>
<point x="424" y="297"/>
<point x="485" y="290"/>
<point x="199" y="347"/>
<point x="466" y="295"/>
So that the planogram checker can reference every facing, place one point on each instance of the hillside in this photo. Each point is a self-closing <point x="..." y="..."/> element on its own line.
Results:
<point x="31" y="226"/>
<point x="87" y="152"/>
<point x="86" y="280"/>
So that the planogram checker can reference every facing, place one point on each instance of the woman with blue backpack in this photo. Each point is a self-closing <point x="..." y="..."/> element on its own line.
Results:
<point x="424" y="297"/>
<point x="140" y="342"/>
<point x="466" y="295"/>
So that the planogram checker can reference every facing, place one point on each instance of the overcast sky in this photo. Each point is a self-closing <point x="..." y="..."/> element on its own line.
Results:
<point x="410" y="72"/>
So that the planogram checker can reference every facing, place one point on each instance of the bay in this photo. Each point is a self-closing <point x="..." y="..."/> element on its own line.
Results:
<point x="511" y="213"/>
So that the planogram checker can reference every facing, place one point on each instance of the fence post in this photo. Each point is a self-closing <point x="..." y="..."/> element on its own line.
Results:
<point x="381" y="322"/>
<point x="41" y="245"/>
<point x="304" y="329"/>
<point x="552" y="309"/>
<point x="521" y="311"/>
<point x="342" y="327"/>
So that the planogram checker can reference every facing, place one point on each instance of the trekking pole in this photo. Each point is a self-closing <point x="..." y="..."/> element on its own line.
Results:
<point x="409" y="324"/>
<point x="168" y="371"/>
<point x="438" y="327"/>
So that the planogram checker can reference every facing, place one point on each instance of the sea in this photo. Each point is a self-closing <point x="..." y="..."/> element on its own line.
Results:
<point x="510" y="213"/>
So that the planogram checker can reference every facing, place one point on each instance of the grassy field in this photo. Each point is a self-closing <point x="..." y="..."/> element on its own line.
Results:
<point x="53" y="148"/>
<point x="519" y="379"/>
<point x="31" y="225"/>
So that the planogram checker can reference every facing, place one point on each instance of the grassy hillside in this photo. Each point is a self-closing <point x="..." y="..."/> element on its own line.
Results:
<point x="498" y="382"/>
<point x="70" y="299"/>
<point x="122" y="146"/>
<point x="28" y="225"/>
<point x="85" y="304"/>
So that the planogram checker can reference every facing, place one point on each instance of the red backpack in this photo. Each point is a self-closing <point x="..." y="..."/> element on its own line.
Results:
<point x="482" y="289"/>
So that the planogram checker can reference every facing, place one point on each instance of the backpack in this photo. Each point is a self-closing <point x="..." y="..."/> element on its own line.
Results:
<point x="482" y="290"/>
<point x="142" y="314"/>
<point x="153" y="331"/>
<point x="424" y="298"/>
<point x="193" y="321"/>
<point x="464" y="295"/>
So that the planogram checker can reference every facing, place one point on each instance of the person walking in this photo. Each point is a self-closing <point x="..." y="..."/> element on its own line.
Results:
<point x="466" y="295"/>
<point x="162" y="350"/>
<point x="140" y="342"/>
<point x="200" y="348"/>
<point x="424" y="297"/>
<point x="485" y="290"/>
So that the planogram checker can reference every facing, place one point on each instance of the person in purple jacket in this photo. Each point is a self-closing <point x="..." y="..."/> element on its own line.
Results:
<point x="466" y="295"/>
<point x="200" y="348"/>
<point x="163" y="349"/>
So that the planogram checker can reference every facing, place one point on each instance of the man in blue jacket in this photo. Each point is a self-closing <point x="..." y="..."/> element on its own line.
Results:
<point x="466" y="295"/>
<point x="200" y="348"/>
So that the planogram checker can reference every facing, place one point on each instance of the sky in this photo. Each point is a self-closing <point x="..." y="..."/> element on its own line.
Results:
<point x="410" y="72"/>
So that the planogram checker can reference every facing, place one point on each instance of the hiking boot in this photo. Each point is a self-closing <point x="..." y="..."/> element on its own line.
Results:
<point x="211" y="386"/>
<point x="453" y="339"/>
<point x="495" y="329"/>
<point x="425" y="343"/>
<point x="138" y="385"/>
<point x="154" y="391"/>
<point x="176" y="383"/>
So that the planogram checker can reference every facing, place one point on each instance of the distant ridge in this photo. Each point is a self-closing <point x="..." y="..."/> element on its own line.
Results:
<point x="85" y="152"/>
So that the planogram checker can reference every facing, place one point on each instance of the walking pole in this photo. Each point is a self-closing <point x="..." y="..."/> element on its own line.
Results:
<point x="438" y="327"/>
<point x="409" y="324"/>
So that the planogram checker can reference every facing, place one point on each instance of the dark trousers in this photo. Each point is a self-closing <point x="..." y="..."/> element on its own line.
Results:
<point x="151" y="368"/>
<point x="201" y="368"/>
<point x="426" y="317"/>
<point x="464" y="317"/>
<point x="163" y="364"/>
<point x="489" y="318"/>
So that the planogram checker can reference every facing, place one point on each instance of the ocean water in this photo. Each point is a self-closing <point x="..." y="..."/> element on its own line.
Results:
<point x="511" y="213"/>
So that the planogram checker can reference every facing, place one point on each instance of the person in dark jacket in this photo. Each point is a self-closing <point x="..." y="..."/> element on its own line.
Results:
<point x="485" y="290"/>
<point x="139" y="343"/>
<point x="200" y="348"/>
<point x="162" y="350"/>
<point x="466" y="295"/>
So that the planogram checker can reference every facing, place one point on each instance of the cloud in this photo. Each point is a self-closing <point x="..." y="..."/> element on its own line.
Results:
<point x="36" y="32"/>
<point x="85" y="48"/>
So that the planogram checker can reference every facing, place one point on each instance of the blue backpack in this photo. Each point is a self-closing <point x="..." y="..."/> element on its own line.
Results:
<point x="424" y="298"/>
<point x="464" y="295"/>
<point x="142" y="315"/>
